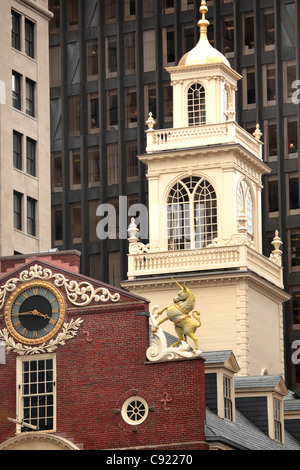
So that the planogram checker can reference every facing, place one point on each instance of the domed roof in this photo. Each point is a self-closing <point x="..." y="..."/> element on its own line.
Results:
<point x="203" y="53"/>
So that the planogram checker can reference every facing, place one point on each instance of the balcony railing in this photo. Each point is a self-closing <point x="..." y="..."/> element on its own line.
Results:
<point x="240" y="257"/>
<point x="210" y="134"/>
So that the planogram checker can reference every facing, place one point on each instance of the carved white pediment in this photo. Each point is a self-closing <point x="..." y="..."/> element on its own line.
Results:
<point x="79" y="294"/>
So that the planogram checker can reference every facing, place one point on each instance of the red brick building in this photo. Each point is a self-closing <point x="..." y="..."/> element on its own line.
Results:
<point x="73" y="365"/>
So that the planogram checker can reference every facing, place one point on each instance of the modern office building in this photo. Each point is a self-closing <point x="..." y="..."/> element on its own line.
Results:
<point x="24" y="127"/>
<point x="107" y="72"/>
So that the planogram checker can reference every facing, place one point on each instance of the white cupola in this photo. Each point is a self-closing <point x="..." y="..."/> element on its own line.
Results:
<point x="205" y="183"/>
<point x="204" y="83"/>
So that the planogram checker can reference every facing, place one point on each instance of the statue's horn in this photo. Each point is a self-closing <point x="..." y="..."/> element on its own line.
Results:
<point x="177" y="283"/>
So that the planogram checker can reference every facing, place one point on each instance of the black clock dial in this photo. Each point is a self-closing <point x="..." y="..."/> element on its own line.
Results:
<point x="35" y="312"/>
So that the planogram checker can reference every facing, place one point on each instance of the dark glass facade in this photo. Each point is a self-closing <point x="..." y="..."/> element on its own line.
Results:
<point x="107" y="66"/>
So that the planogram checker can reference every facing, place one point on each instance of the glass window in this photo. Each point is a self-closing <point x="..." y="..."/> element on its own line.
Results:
<point x="95" y="266"/>
<point x="168" y="46"/>
<point x="269" y="88"/>
<point x="16" y="90"/>
<point x="249" y="88"/>
<point x="57" y="226"/>
<point x="114" y="269"/>
<point x="75" y="175"/>
<point x="188" y="41"/>
<point x="30" y="101"/>
<point x="92" y="59"/>
<point x="228" y="36"/>
<point x="149" y="50"/>
<point x="295" y="307"/>
<point x="129" y="10"/>
<point x="93" y="221"/>
<point x="135" y="410"/>
<point x="129" y="53"/>
<point x="277" y="405"/>
<point x="56" y="173"/>
<point x="131" y="115"/>
<point x="74" y="116"/>
<point x="93" y="166"/>
<point x="271" y="141"/>
<point x="15" y="30"/>
<point x="72" y="14"/>
<point x="37" y="397"/>
<point x="295" y="250"/>
<point x="31" y="156"/>
<point x="289" y="76"/>
<point x="55" y="66"/>
<point x="18" y="198"/>
<point x="111" y="56"/>
<point x="17" y="150"/>
<point x="54" y="7"/>
<point x="75" y="223"/>
<point x="192" y="214"/>
<point x="288" y="30"/>
<point x="293" y="188"/>
<point x="292" y="138"/>
<point x="227" y="394"/>
<point x="112" y="110"/>
<point x="187" y="5"/>
<point x="268" y="26"/>
<point x="150" y="100"/>
<point x="248" y="25"/>
<point x="31" y="216"/>
<point x="112" y="164"/>
<point x="93" y="112"/>
<point x="132" y="172"/>
<point x="29" y="38"/>
<point x="272" y="197"/>
<point x="148" y="8"/>
<point x="167" y="6"/>
<point x="168" y="102"/>
<point x="196" y="105"/>
<point x="110" y="10"/>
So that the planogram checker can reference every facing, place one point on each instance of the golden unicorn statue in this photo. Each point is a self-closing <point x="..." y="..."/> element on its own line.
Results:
<point x="178" y="313"/>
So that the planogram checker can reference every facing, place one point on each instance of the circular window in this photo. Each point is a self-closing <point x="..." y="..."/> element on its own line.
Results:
<point x="135" y="410"/>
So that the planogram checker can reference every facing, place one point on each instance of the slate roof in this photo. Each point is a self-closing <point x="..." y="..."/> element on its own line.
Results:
<point x="257" y="381"/>
<point x="216" y="357"/>
<point x="243" y="434"/>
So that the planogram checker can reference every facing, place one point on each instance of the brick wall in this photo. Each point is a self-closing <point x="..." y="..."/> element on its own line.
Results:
<point x="101" y="368"/>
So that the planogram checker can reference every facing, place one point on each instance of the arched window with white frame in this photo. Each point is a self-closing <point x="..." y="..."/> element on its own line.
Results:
<point x="191" y="214"/>
<point x="245" y="205"/>
<point x="196" y="105"/>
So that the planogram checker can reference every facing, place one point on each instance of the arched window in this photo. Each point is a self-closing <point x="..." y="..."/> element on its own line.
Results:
<point x="192" y="214"/>
<point x="245" y="205"/>
<point x="196" y="105"/>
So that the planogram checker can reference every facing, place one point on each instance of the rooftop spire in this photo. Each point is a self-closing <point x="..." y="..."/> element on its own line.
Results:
<point x="203" y="23"/>
<point x="203" y="53"/>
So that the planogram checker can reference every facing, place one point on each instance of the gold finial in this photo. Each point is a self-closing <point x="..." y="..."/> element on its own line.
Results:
<point x="203" y="23"/>
<point x="203" y="9"/>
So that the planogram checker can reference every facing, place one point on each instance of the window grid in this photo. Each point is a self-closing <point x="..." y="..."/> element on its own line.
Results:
<point x="227" y="398"/>
<point x="192" y="214"/>
<point x="277" y="420"/>
<point x="38" y="393"/>
<point x="196" y="105"/>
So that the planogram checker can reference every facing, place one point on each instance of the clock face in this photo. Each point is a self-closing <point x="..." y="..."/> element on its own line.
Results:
<point x="35" y="312"/>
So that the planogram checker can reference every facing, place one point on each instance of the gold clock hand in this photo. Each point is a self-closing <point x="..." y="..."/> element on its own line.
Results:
<point x="36" y="313"/>
<point x="21" y="313"/>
